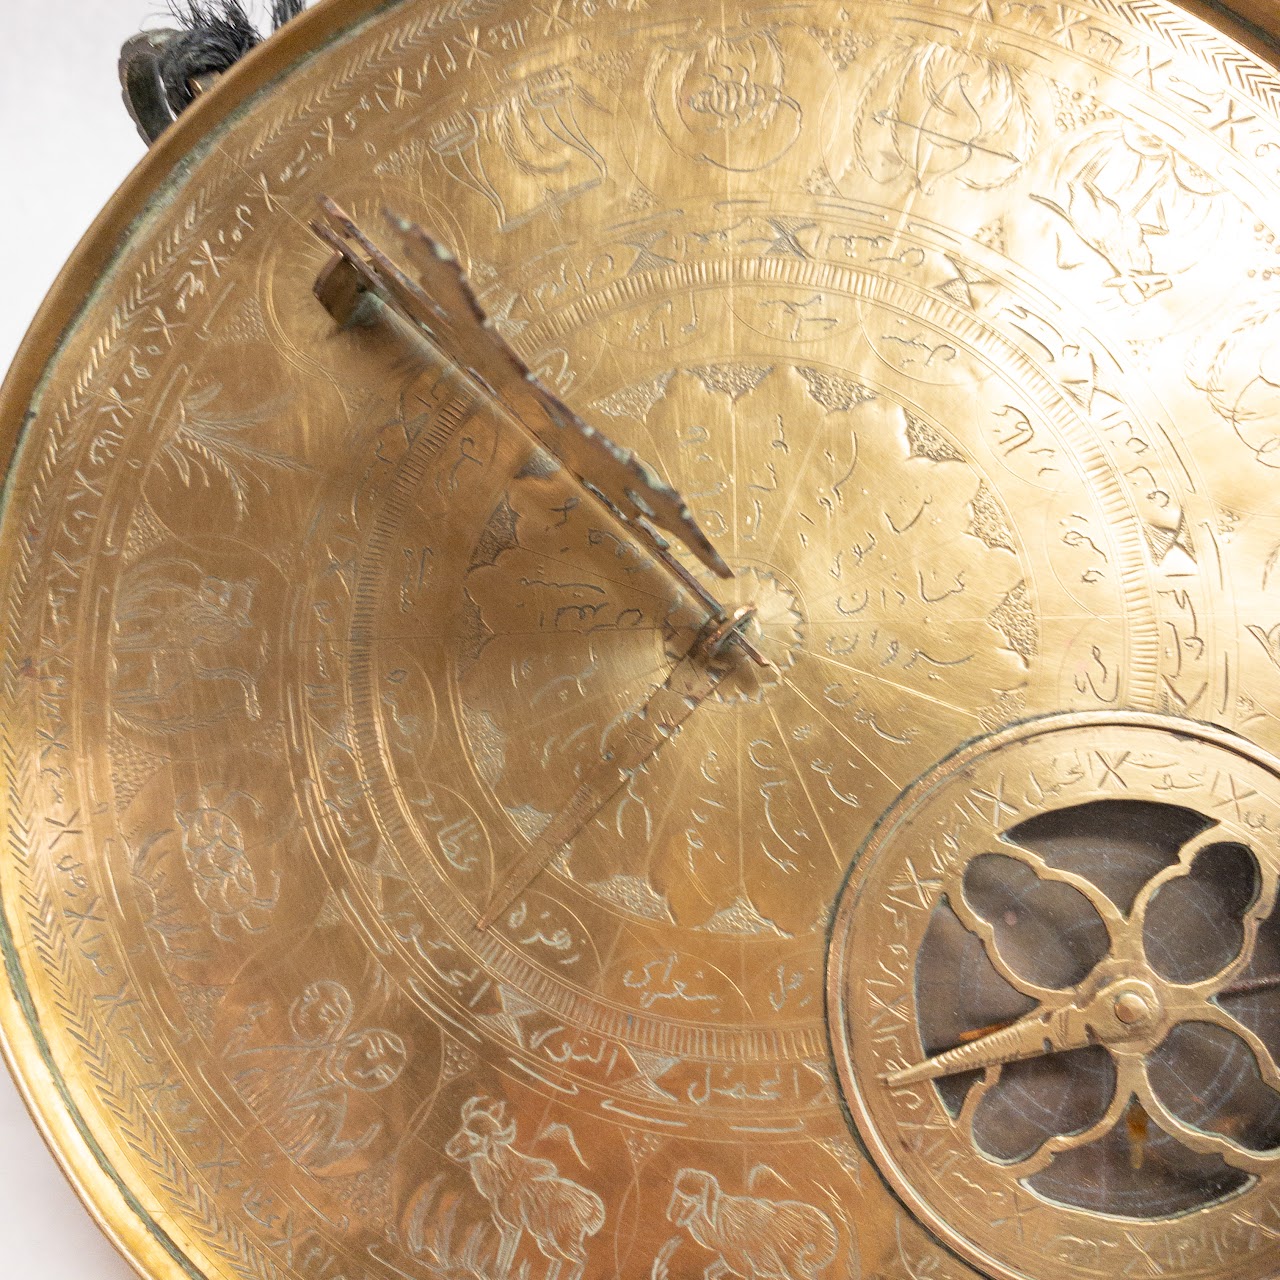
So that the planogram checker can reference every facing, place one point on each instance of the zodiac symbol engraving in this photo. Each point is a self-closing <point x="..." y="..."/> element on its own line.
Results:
<point x="526" y="153"/>
<point x="752" y="1237"/>
<point x="188" y="651"/>
<point x="934" y="113"/>
<point x="722" y="102"/>
<point x="221" y="873"/>
<point x="525" y="1193"/>
<point x="1121" y="192"/>
<point x="1242" y="382"/>
<point x="303" y="1088"/>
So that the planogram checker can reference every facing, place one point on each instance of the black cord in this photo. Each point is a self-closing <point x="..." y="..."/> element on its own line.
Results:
<point x="213" y="35"/>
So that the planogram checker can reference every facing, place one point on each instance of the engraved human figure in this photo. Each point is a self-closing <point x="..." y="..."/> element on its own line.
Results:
<point x="303" y="1088"/>
<point x="525" y="1193"/>
<point x="221" y="873"/>
<point x="752" y="1237"/>
<point x="178" y="629"/>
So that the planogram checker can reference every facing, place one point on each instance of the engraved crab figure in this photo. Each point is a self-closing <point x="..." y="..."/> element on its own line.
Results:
<point x="1124" y="1017"/>
<point x="213" y="847"/>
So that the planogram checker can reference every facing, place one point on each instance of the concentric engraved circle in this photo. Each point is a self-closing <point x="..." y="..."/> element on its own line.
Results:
<point x="1051" y="997"/>
<point x="305" y="648"/>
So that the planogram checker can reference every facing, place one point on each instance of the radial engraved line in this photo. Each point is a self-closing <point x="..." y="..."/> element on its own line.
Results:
<point x="649" y="562"/>
<point x="815" y="440"/>
<point x="795" y="688"/>
<point x="669" y="809"/>
<point x="967" y="714"/>
<point x="804" y="786"/>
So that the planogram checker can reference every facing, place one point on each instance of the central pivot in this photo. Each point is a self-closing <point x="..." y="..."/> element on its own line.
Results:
<point x="1134" y="1008"/>
<point x="1134" y="1005"/>
<point x="720" y="633"/>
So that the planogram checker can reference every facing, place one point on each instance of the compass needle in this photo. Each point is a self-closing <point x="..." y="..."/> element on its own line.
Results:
<point x="1029" y="1038"/>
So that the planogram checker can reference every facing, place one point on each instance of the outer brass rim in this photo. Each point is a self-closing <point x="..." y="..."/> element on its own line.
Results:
<point x="131" y="1225"/>
<point x="1253" y="22"/>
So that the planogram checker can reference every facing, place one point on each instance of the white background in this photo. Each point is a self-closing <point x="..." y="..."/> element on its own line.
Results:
<point x="66" y="143"/>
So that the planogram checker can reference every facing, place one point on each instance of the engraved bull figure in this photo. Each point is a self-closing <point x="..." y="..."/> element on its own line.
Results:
<point x="525" y="1193"/>
<point x="754" y="1238"/>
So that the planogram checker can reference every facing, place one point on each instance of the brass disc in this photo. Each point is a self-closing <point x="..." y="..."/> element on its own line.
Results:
<point x="954" y="322"/>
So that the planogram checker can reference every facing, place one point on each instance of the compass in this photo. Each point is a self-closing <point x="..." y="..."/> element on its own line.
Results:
<point x="1057" y="957"/>
<point x="641" y="642"/>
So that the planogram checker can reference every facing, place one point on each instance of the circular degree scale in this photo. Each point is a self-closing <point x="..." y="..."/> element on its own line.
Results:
<point x="418" y="863"/>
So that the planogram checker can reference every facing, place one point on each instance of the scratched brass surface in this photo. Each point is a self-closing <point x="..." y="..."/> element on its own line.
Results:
<point x="955" y="323"/>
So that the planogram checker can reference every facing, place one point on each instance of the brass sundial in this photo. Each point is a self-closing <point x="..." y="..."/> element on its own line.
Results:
<point x="641" y="641"/>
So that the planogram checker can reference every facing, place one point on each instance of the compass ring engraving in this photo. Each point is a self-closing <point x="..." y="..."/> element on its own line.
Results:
<point x="409" y="869"/>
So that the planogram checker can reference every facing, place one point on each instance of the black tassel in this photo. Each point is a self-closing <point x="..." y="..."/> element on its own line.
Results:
<point x="213" y="36"/>
<point x="284" y="10"/>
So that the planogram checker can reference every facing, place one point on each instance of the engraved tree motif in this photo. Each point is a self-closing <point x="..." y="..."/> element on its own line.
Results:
<point x="1130" y="988"/>
<point x="205" y="444"/>
<point x="526" y="152"/>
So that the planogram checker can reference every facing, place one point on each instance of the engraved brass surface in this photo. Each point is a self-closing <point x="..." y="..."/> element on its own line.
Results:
<point x="954" y="321"/>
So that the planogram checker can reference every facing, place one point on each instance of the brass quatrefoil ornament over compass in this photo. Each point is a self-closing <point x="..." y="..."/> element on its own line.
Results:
<point x="642" y="642"/>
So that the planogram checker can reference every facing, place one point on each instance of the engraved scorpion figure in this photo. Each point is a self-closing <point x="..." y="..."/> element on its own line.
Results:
<point x="754" y="1238"/>
<point x="722" y="100"/>
<point x="525" y="1193"/>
